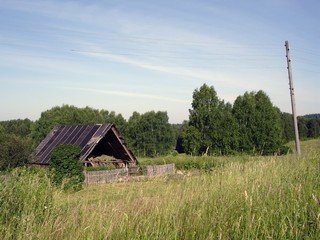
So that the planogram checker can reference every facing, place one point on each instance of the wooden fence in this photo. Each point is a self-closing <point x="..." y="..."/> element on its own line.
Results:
<point x="109" y="176"/>
<point x="158" y="170"/>
<point x="105" y="176"/>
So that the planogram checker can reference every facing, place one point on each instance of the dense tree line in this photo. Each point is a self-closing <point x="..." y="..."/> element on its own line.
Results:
<point x="251" y="125"/>
<point x="71" y="115"/>
<point x="19" y="127"/>
<point x="308" y="125"/>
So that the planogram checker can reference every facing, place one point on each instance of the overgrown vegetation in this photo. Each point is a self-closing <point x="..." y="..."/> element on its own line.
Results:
<point x="252" y="197"/>
<point x="26" y="203"/>
<point x="66" y="168"/>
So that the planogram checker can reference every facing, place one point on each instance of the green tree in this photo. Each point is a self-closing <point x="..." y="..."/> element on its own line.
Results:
<point x="287" y="126"/>
<point x="313" y="128"/>
<point x="314" y="115"/>
<point x="204" y="116"/>
<point x="303" y="128"/>
<point x="178" y="131"/>
<point x="18" y="127"/>
<point x="134" y="134"/>
<point x="228" y="131"/>
<point x="191" y="139"/>
<point x="113" y="118"/>
<point x="2" y="130"/>
<point x="150" y="134"/>
<point x="259" y="122"/>
<point x="212" y="124"/>
<point x="66" y="167"/>
<point x="15" y="151"/>
<point x="164" y="133"/>
<point x="244" y="111"/>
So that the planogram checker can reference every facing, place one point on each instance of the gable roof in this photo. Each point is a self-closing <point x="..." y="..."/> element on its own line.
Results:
<point x="94" y="140"/>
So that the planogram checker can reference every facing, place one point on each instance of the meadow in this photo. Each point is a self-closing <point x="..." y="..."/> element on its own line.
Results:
<point x="235" y="197"/>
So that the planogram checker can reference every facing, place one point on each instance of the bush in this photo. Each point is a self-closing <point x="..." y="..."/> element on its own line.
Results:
<point x="15" y="151"/>
<point x="66" y="168"/>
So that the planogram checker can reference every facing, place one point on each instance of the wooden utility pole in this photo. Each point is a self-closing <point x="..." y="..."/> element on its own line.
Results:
<point x="293" y="101"/>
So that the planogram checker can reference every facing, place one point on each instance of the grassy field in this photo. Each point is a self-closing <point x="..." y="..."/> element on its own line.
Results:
<point x="238" y="197"/>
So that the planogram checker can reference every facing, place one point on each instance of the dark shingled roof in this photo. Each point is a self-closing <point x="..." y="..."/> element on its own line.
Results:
<point x="94" y="140"/>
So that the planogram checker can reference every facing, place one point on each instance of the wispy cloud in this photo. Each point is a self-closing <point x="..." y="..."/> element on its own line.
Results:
<point x="225" y="79"/>
<point x="130" y="94"/>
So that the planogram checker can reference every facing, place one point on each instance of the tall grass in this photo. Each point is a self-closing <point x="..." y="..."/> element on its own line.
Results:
<point x="26" y="201"/>
<point x="253" y="198"/>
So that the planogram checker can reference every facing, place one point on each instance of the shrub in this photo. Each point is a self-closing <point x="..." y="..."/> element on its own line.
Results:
<point x="66" y="168"/>
<point x="15" y="151"/>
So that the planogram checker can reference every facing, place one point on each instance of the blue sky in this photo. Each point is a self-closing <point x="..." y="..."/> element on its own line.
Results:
<point x="141" y="55"/>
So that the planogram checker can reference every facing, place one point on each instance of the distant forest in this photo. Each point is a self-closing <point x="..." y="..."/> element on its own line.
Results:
<point x="250" y="125"/>
<point x="311" y="116"/>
